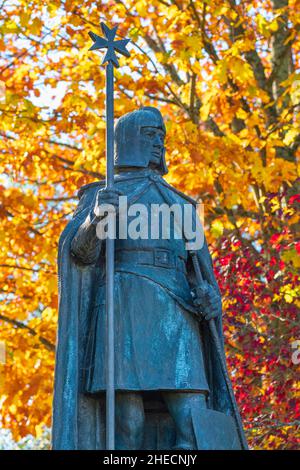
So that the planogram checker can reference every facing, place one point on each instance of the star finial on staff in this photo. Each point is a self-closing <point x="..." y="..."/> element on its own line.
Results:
<point x="109" y="44"/>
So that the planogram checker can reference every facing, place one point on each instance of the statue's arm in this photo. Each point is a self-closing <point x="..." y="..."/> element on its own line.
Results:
<point x="86" y="246"/>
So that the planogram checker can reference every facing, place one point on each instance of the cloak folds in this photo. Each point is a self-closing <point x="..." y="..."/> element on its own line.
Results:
<point x="79" y="419"/>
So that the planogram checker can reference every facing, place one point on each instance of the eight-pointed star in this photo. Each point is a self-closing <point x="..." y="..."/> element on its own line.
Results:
<point x="109" y="44"/>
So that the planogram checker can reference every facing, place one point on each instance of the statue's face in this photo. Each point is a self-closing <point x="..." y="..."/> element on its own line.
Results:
<point x="152" y="143"/>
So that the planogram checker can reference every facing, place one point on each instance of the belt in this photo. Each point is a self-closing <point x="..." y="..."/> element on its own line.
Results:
<point x="157" y="257"/>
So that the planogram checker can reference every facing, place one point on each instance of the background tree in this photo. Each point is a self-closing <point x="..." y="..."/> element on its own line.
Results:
<point x="225" y="74"/>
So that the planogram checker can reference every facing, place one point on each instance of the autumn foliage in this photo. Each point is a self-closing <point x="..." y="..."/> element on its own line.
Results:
<point x="225" y="74"/>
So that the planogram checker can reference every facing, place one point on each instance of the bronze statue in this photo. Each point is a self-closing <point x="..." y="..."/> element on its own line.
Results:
<point x="171" y="392"/>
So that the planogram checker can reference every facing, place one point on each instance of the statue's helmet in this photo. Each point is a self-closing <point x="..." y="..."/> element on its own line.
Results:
<point x="130" y="150"/>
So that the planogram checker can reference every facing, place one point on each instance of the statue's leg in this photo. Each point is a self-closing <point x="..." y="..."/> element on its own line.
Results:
<point x="180" y="405"/>
<point x="130" y="419"/>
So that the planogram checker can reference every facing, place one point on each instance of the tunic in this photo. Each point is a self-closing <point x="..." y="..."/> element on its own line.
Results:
<point x="157" y="338"/>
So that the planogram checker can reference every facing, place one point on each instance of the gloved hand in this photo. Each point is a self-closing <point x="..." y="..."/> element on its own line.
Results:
<point x="108" y="198"/>
<point x="208" y="300"/>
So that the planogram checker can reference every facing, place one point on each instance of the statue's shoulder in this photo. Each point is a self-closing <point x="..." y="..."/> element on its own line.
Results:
<point x="90" y="188"/>
<point x="179" y="193"/>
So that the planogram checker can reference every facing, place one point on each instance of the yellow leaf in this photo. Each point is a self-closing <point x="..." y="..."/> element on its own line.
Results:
<point x="217" y="228"/>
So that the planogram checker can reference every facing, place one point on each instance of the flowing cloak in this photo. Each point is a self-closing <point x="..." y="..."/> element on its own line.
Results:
<point x="78" y="418"/>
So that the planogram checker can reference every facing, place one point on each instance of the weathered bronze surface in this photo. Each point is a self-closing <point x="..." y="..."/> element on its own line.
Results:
<point x="171" y="390"/>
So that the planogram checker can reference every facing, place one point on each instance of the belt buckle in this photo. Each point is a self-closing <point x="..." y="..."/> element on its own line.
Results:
<point x="162" y="258"/>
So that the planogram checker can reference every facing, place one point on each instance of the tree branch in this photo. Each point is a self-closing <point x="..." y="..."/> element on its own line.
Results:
<point x="282" y="65"/>
<point x="237" y="31"/>
<point x="50" y="346"/>
<point x="208" y="46"/>
<point x="15" y="266"/>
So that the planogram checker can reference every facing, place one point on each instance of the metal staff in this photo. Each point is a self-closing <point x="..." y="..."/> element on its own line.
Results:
<point x="216" y="340"/>
<point x="112" y="61"/>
